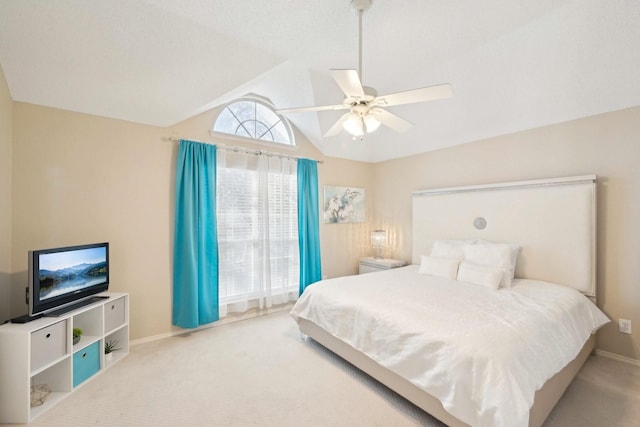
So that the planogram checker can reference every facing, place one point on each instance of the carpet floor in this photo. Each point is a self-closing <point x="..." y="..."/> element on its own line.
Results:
<point x="259" y="372"/>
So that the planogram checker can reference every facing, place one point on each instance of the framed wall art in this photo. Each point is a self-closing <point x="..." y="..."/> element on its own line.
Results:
<point x="343" y="204"/>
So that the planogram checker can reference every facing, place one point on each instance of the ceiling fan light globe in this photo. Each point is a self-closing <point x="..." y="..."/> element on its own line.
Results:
<point x="371" y="123"/>
<point x="354" y="125"/>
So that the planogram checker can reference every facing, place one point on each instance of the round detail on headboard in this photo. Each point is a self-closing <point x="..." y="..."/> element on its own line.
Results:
<point x="480" y="223"/>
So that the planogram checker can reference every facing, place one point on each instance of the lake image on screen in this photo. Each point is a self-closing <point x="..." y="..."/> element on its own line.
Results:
<point x="64" y="272"/>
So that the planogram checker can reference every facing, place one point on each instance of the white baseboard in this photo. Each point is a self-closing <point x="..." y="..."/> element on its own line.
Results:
<point x="225" y="320"/>
<point x="155" y="337"/>
<point x="618" y="357"/>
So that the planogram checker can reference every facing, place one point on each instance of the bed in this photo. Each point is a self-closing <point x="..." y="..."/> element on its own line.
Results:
<point x="474" y="344"/>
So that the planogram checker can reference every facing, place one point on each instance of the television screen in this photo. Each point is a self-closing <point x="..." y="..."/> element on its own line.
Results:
<point x="61" y="276"/>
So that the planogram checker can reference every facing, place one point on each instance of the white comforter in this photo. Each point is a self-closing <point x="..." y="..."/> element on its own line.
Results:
<point x="482" y="353"/>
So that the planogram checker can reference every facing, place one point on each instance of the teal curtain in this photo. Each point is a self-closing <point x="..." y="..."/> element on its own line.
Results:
<point x="308" y="223"/>
<point x="195" y="249"/>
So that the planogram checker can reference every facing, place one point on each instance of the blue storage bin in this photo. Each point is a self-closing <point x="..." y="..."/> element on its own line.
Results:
<point x="86" y="362"/>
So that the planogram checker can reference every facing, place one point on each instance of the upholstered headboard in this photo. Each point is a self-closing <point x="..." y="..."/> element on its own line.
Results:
<point x="554" y="220"/>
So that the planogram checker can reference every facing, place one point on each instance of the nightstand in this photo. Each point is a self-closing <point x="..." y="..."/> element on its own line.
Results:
<point x="371" y="264"/>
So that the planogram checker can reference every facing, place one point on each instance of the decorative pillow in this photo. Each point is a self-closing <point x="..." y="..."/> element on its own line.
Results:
<point x="489" y="277"/>
<point x="500" y="255"/>
<point x="450" y="248"/>
<point x="439" y="266"/>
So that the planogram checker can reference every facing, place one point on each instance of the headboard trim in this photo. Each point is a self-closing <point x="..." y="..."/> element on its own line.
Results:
<point x="502" y="185"/>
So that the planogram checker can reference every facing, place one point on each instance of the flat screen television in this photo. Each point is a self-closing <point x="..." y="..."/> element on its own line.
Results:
<point x="60" y="278"/>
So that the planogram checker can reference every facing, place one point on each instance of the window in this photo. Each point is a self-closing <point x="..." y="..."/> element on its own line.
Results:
<point x="257" y="231"/>
<point x="251" y="118"/>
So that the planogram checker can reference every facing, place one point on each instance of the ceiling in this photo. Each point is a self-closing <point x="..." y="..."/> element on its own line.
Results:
<point x="513" y="64"/>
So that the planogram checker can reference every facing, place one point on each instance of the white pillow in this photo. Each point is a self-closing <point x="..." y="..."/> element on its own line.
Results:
<point x="450" y="248"/>
<point x="489" y="277"/>
<point x="439" y="266"/>
<point x="500" y="255"/>
<point x="515" y="251"/>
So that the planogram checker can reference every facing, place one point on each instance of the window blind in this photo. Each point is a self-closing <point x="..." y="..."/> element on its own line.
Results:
<point x="257" y="230"/>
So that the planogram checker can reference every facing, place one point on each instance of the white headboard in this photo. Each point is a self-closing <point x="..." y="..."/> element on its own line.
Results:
<point x="554" y="220"/>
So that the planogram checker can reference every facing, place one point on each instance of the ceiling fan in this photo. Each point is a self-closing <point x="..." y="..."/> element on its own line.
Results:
<point x="366" y="108"/>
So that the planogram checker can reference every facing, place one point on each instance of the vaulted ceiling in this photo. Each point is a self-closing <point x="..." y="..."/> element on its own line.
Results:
<point x="513" y="64"/>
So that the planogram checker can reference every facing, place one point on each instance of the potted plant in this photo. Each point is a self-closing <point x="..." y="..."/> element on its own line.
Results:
<point x="77" y="333"/>
<point x="109" y="347"/>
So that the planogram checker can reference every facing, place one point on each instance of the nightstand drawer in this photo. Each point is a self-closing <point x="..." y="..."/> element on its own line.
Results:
<point x="363" y="268"/>
<point x="370" y="264"/>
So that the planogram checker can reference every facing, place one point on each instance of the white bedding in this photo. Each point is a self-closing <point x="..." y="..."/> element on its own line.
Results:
<point x="483" y="353"/>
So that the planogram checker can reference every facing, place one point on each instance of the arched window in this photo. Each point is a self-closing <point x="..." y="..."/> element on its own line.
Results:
<point x="255" y="119"/>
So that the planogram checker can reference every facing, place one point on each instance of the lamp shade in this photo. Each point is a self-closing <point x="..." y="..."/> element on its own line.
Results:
<point x="378" y="240"/>
<point x="378" y="237"/>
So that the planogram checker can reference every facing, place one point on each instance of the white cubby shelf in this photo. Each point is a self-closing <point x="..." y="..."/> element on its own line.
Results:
<point x="41" y="352"/>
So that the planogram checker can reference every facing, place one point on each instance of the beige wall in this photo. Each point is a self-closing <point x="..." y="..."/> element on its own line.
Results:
<point x="79" y="178"/>
<point x="607" y="145"/>
<point x="344" y="244"/>
<point x="82" y="179"/>
<point x="6" y="107"/>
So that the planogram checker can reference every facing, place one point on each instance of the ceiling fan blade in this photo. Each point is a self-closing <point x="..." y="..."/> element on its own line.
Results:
<point x="309" y="109"/>
<point x="337" y="126"/>
<point x="424" y="94"/>
<point x="349" y="82"/>
<point x="391" y="120"/>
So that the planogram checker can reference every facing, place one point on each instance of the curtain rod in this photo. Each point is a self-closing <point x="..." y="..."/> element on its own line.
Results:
<point x="255" y="151"/>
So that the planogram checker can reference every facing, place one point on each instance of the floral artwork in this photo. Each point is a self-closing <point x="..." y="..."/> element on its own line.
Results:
<point x="343" y="205"/>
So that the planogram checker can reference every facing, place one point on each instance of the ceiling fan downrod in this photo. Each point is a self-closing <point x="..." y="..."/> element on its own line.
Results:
<point x="360" y="6"/>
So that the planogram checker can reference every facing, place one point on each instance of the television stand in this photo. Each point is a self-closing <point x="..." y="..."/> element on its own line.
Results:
<point x="67" y="308"/>
<point x="43" y="352"/>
